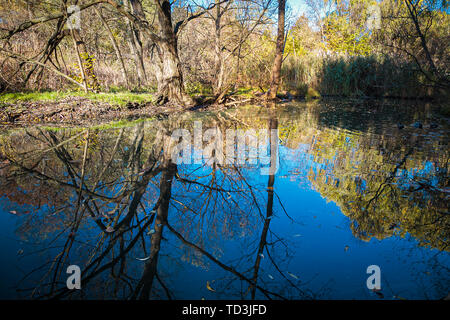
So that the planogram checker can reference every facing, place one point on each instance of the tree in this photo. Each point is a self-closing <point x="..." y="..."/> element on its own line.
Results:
<point x="276" y="69"/>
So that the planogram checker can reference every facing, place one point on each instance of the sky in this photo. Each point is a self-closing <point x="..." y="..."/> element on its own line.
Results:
<point x="298" y="6"/>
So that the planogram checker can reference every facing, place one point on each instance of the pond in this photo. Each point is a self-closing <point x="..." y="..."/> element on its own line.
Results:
<point x="293" y="201"/>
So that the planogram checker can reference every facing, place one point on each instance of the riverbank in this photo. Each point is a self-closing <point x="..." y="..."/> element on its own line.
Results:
<point x="63" y="109"/>
<point x="79" y="109"/>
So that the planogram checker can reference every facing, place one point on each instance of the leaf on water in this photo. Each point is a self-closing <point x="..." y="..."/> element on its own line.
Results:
<point x="152" y="231"/>
<point x="20" y="252"/>
<point x="143" y="259"/>
<point x="262" y="256"/>
<point x="270" y="276"/>
<point x="346" y="248"/>
<point x="379" y="293"/>
<point x="109" y="229"/>
<point x="13" y="212"/>
<point x="209" y="287"/>
<point x="293" y="275"/>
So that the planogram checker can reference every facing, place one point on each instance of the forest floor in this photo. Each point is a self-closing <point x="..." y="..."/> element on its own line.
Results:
<point x="68" y="109"/>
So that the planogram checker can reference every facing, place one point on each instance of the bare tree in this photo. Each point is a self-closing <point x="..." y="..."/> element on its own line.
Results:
<point x="276" y="69"/>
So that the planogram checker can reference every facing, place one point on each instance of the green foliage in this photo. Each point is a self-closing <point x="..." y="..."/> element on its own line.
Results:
<point x="116" y="99"/>
<point x="312" y="94"/>
<point x="345" y="28"/>
<point x="197" y="87"/>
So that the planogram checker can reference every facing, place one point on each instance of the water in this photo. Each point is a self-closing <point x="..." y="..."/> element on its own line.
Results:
<point x="347" y="189"/>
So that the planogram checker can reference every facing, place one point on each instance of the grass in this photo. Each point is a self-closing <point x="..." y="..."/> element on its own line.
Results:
<point x="116" y="99"/>
<point x="120" y="124"/>
<point x="247" y="92"/>
<point x="103" y="126"/>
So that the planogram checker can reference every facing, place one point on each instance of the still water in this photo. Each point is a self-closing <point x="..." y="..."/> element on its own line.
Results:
<point x="352" y="184"/>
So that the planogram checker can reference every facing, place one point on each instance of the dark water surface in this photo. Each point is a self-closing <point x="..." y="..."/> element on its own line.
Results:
<point x="352" y="184"/>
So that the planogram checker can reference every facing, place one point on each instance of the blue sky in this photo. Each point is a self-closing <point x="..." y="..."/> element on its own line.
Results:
<point x="298" y="6"/>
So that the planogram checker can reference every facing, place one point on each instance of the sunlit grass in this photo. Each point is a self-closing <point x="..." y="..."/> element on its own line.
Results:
<point x="116" y="99"/>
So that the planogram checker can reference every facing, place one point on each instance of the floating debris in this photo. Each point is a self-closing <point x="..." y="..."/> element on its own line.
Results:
<point x="346" y="248"/>
<point x="152" y="231"/>
<point x="109" y="229"/>
<point x="270" y="276"/>
<point x="378" y="293"/>
<point x="208" y="286"/>
<point x="143" y="259"/>
<point x="293" y="275"/>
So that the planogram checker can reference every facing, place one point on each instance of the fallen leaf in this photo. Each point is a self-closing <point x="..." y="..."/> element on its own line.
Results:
<point x="379" y="294"/>
<point x="270" y="276"/>
<point x="143" y="259"/>
<point x="262" y="256"/>
<point x="209" y="287"/>
<point x="109" y="229"/>
<point x="293" y="275"/>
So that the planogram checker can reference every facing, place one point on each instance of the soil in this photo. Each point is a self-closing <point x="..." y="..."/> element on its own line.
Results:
<point x="77" y="111"/>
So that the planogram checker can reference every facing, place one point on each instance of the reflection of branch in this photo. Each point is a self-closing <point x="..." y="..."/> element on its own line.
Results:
<point x="184" y="180"/>
<point x="266" y="292"/>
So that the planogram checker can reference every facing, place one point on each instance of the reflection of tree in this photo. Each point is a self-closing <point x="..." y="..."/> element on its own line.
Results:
<point x="111" y="194"/>
<point x="405" y="194"/>
<point x="116" y="210"/>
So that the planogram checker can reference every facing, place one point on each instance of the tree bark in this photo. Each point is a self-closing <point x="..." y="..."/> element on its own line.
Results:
<point x="134" y="41"/>
<point x="170" y="82"/>
<point x="276" y="70"/>
<point x="80" y="61"/>
<point x="412" y="9"/>
<point x="219" y="68"/>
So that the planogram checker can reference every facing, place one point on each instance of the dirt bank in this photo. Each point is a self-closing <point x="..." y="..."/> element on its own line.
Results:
<point x="79" y="111"/>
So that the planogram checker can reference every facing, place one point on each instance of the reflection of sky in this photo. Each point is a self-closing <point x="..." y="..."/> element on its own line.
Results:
<point x="323" y="253"/>
<point x="317" y="242"/>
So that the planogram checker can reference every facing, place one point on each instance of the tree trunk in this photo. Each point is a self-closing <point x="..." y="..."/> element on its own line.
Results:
<point x="80" y="62"/>
<point x="170" y="82"/>
<point x="134" y="41"/>
<point x="218" y="63"/>
<point x="415" y="18"/>
<point x="116" y="47"/>
<point x="276" y="70"/>
<point x="85" y="62"/>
